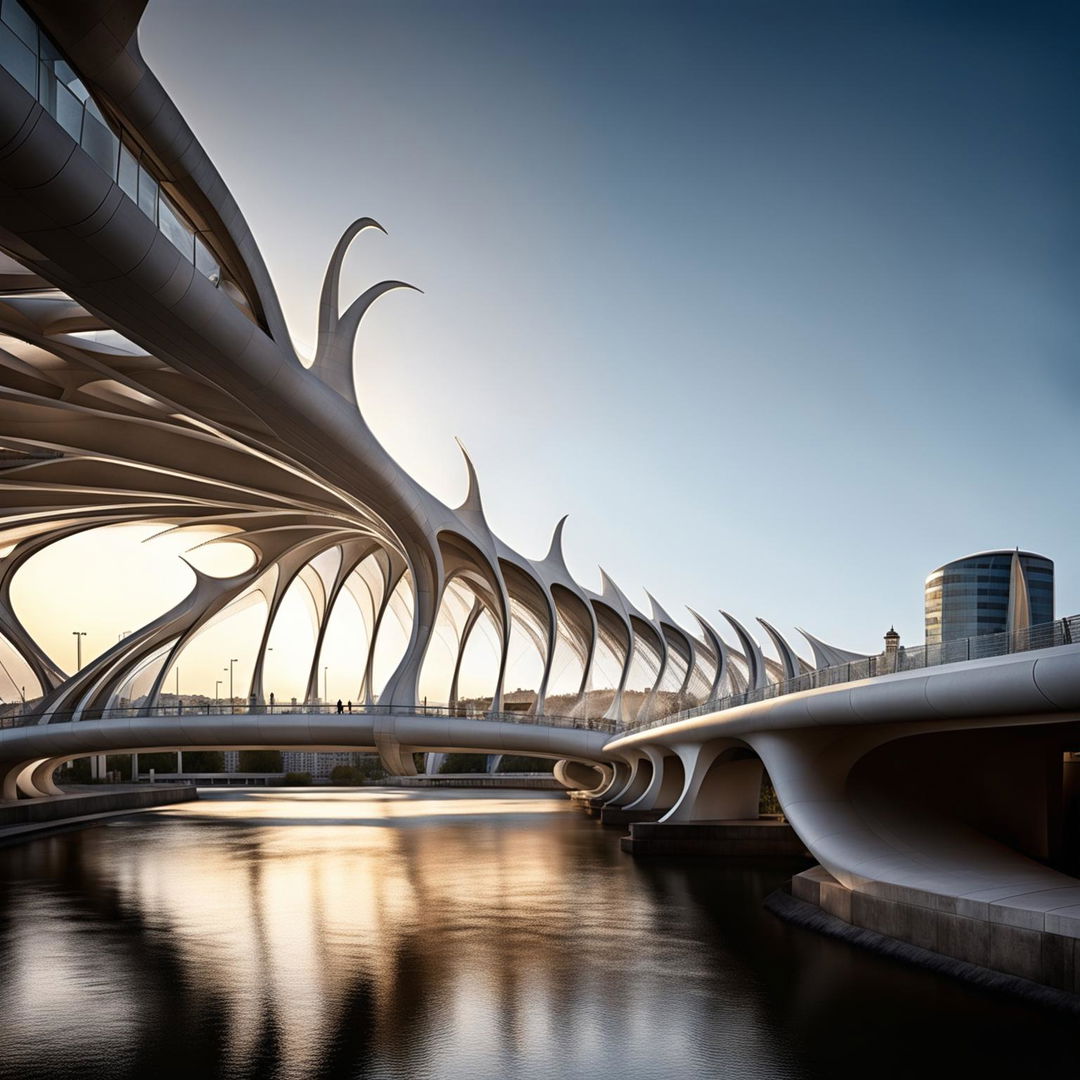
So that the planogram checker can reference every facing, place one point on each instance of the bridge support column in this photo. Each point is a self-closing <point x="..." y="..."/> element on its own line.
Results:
<point x="641" y="771"/>
<point x="396" y="759"/>
<point x="665" y="785"/>
<point x="15" y="779"/>
<point x="24" y="781"/>
<point x="722" y="783"/>
<point x="620" y="773"/>
<point x="577" y="776"/>
<point x="9" y="773"/>
<point x="42" y="776"/>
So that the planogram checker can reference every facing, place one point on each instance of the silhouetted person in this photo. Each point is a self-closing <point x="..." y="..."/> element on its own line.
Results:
<point x="271" y="700"/>
<point x="340" y="706"/>
<point x="350" y="706"/>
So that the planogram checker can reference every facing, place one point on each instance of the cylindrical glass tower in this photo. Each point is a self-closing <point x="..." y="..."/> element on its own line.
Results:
<point x="988" y="593"/>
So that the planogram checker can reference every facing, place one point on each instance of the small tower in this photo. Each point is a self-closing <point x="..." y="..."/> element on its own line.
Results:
<point x="892" y="643"/>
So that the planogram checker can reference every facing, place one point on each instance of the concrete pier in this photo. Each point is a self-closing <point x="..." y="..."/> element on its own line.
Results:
<point x="740" y="838"/>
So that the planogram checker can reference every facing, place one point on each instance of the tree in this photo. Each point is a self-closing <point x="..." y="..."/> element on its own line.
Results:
<point x="160" y="763"/>
<point x="345" y="774"/>
<point x="265" y="761"/>
<point x="204" y="761"/>
<point x="369" y="767"/>
<point x="464" y="763"/>
<point x="520" y="763"/>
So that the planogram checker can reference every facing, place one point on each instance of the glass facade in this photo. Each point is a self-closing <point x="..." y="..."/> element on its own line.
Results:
<point x="970" y="597"/>
<point x="28" y="55"/>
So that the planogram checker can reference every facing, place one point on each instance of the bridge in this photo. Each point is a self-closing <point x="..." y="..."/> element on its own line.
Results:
<point x="147" y="375"/>
<point x="31" y="751"/>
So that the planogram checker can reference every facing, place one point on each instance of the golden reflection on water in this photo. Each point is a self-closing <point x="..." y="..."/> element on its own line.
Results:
<point x="435" y="934"/>
<point x="438" y="934"/>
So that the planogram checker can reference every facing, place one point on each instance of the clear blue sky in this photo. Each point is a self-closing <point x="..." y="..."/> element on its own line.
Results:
<point x="777" y="300"/>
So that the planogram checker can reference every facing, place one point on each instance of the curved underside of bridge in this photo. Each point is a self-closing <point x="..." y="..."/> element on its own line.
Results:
<point x="952" y="785"/>
<point x="33" y="753"/>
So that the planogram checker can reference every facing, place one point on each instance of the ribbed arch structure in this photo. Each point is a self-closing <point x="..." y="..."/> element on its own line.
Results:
<point x="140" y="383"/>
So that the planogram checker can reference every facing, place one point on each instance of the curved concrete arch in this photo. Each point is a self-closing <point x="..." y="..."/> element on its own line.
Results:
<point x="638" y="773"/>
<point x="577" y="776"/>
<point x="666" y="783"/>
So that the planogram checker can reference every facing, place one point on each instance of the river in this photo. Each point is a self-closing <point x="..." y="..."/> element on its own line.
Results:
<point x="449" y="935"/>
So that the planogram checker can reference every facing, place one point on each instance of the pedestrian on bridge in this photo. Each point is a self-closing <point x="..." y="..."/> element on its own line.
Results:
<point x="340" y="707"/>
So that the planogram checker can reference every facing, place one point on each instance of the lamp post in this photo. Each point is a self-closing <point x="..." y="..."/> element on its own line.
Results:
<point x="79" y="635"/>
<point x="326" y="697"/>
<point x="231" y="662"/>
<point x="217" y="692"/>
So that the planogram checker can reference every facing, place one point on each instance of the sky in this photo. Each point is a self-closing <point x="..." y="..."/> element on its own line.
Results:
<point x="777" y="300"/>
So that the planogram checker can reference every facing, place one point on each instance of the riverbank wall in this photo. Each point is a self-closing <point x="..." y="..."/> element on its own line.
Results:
<point x="1012" y="948"/>
<point x="23" y="819"/>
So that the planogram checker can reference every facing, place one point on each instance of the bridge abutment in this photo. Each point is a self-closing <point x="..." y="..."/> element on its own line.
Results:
<point x="999" y="944"/>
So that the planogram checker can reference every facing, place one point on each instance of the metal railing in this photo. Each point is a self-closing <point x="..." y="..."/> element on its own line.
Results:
<point x="193" y="709"/>
<point x="1044" y="636"/>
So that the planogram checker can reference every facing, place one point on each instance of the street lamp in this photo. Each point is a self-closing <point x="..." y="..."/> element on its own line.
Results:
<point x="217" y="692"/>
<point x="231" y="662"/>
<point x="79" y="635"/>
<point x="326" y="697"/>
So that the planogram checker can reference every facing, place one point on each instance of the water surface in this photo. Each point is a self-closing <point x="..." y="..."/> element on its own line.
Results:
<point x="454" y="936"/>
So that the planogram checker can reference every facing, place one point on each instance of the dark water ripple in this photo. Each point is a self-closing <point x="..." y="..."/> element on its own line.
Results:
<point x="451" y="936"/>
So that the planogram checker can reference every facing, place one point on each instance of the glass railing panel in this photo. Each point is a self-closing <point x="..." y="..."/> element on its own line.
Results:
<point x="100" y="143"/>
<point x="64" y="73"/>
<point x="66" y="110"/>
<point x="21" y="22"/>
<point x="205" y="262"/>
<point x="18" y="60"/>
<point x="128" y="174"/>
<point x="148" y="195"/>
<point x="176" y="229"/>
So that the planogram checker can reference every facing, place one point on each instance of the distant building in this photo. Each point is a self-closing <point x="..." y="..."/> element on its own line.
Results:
<point x="989" y="593"/>
<point x="319" y="763"/>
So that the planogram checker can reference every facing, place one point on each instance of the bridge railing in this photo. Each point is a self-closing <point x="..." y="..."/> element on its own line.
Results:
<point x="225" y="708"/>
<point x="1043" y="636"/>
